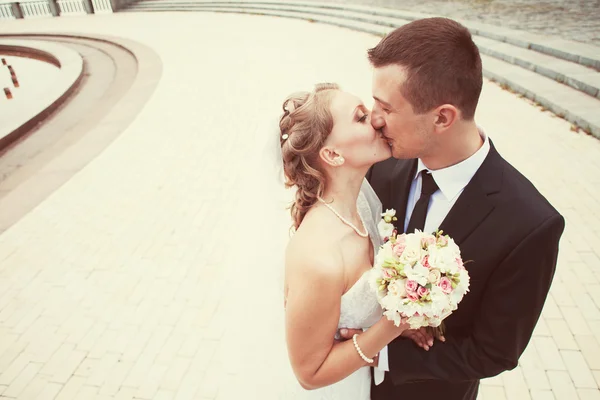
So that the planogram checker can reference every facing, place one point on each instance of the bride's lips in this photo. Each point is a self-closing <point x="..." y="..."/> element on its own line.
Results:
<point x="387" y="139"/>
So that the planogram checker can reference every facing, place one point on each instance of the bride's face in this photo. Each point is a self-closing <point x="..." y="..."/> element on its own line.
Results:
<point x="353" y="136"/>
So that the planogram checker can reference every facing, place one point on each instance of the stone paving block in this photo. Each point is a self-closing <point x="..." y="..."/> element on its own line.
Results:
<point x="541" y="328"/>
<point x="597" y="376"/>
<point x="125" y="393"/>
<point x="15" y="368"/>
<point x="575" y="320"/>
<point x="562" y="334"/>
<point x="100" y="369"/>
<point x="590" y="348"/>
<point x="175" y="374"/>
<point x="551" y="310"/>
<point x="537" y="394"/>
<point x="21" y="382"/>
<point x="493" y="392"/>
<point x="49" y="391"/>
<point x="588" y="394"/>
<point x="515" y="386"/>
<point x="115" y="378"/>
<point x="561" y="295"/>
<point x="87" y="393"/>
<point x="68" y="367"/>
<point x="34" y="387"/>
<point x="549" y="353"/>
<point x="71" y="388"/>
<point x="578" y="369"/>
<point x="562" y="385"/>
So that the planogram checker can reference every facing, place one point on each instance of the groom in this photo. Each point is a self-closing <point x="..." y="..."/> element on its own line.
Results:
<point x="446" y="174"/>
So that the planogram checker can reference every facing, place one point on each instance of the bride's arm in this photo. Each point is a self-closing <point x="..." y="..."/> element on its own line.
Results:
<point x="314" y="288"/>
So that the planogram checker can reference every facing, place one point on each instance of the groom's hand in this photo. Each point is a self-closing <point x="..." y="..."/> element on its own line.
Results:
<point x="422" y="337"/>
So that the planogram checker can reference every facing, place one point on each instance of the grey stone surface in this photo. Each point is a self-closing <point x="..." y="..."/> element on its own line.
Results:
<point x="564" y="101"/>
<point x="575" y="19"/>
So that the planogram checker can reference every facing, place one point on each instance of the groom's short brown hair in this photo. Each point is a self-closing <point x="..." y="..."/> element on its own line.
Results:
<point x="443" y="64"/>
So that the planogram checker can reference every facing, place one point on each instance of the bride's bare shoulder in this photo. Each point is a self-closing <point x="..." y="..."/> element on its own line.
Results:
<point x="315" y="249"/>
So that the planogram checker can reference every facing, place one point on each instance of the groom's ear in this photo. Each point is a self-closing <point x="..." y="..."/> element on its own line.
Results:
<point x="331" y="157"/>
<point x="445" y="116"/>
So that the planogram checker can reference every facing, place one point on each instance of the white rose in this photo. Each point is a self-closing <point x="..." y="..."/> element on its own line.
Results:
<point x="393" y="316"/>
<point x="384" y="254"/>
<point x="443" y="259"/>
<point x="413" y="251"/>
<point x="397" y="288"/>
<point x="417" y="321"/>
<point x="385" y="229"/>
<point x="434" y="276"/>
<point x="417" y="273"/>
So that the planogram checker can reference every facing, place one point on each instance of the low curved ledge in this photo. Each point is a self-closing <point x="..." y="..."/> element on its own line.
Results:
<point x="29" y="52"/>
<point x="20" y="120"/>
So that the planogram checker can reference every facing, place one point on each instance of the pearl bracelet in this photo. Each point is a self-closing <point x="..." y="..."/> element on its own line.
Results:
<point x="359" y="351"/>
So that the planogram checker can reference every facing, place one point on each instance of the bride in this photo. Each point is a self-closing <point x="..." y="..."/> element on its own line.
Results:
<point x="328" y="145"/>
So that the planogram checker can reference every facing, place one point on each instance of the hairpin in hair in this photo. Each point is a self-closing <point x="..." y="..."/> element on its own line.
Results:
<point x="289" y="106"/>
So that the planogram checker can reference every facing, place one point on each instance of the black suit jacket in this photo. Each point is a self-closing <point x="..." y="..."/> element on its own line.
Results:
<point x="510" y="234"/>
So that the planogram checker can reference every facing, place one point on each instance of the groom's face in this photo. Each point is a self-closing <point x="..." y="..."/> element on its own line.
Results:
<point x="408" y="134"/>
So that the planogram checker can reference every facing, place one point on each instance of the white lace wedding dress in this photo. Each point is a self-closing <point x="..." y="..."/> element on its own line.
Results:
<point x="359" y="309"/>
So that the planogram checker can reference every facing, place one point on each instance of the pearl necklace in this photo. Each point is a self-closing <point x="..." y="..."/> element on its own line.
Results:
<point x="344" y="220"/>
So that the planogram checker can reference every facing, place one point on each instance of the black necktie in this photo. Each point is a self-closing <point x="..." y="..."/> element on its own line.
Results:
<point x="428" y="187"/>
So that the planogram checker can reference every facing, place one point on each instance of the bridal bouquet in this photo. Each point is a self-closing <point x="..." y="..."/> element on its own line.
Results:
<point x="418" y="276"/>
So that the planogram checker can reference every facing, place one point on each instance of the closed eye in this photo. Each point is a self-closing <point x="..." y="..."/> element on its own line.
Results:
<point x="363" y="118"/>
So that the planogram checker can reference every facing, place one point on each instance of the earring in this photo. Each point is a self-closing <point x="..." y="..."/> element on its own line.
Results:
<point x="340" y="160"/>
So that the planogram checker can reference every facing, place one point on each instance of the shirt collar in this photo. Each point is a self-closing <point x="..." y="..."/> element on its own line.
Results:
<point x="453" y="179"/>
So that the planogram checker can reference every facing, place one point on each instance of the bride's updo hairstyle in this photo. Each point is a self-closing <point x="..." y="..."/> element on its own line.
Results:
<point x="305" y="125"/>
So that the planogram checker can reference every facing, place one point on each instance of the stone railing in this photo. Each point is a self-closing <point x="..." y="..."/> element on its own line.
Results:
<point x="36" y="9"/>
<point x="12" y="9"/>
<point x="73" y="7"/>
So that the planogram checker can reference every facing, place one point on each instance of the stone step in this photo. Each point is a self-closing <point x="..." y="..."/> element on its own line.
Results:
<point x="577" y="76"/>
<point x="570" y="73"/>
<point x="331" y="20"/>
<point x="567" y="102"/>
<point x="346" y="14"/>
<point x="576" y="52"/>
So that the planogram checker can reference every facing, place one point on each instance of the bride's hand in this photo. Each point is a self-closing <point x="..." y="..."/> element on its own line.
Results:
<point x="389" y="327"/>
<point x="423" y="337"/>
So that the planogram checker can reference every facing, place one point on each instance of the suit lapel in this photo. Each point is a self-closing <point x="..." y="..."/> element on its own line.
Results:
<point x="474" y="204"/>
<point x="403" y="174"/>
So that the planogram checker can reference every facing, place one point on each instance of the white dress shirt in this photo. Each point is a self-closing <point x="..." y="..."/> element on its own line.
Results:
<point x="451" y="182"/>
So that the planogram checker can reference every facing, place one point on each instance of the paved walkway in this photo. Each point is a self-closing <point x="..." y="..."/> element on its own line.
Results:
<point x="155" y="272"/>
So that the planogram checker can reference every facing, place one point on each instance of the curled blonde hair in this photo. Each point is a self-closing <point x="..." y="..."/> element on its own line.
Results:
<point x="304" y="126"/>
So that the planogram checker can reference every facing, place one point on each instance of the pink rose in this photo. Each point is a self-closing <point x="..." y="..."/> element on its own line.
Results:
<point x="425" y="262"/>
<point x="398" y="248"/>
<point x="442" y="241"/>
<point x="422" y="291"/>
<point x="389" y="273"/>
<point x="412" y="296"/>
<point x="445" y="285"/>
<point x="411" y="286"/>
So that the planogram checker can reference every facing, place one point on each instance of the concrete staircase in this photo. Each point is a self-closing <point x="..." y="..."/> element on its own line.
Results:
<point x="560" y="75"/>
